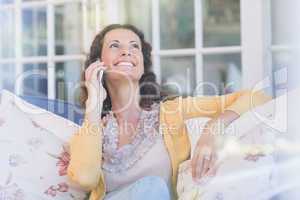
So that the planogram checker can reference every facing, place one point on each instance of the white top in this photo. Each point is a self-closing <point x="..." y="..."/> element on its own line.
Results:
<point x="155" y="162"/>
<point x="146" y="155"/>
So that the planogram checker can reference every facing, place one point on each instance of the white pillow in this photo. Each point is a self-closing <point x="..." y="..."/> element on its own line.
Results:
<point x="235" y="174"/>
<point x="61" y="127"/>
<point x="33" y="158"/>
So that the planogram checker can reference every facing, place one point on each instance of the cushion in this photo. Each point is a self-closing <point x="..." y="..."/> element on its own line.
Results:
<point x="69" y="111"/>
<point x="58" y="125"/>
<point x="254" y="132"/>
<point x="34" y="152"/>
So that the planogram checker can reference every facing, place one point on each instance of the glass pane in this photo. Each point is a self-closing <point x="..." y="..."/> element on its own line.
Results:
<point x="35" y="80"/>
<point x="177" y="24"/>
<point x="7" y="77"/>
<point x="106" y="15"/>
<point x="221" y="74"/>
<point x="34" y="32"/>
<point x="67" y="80"/>
<point x="138" y="13"/>
<point x="6" y="1"/>
<point x="68" y="29"/>
<point x="178" y="75"/>
<point x="133" y="12"/>
<point x="281" y="63"/>
<point x="7" y="34"/>
<point x="281" y="60"/>
<point x="91" y="23"/>
<point x="281" y="25"/>
<point x="221" y="23"/>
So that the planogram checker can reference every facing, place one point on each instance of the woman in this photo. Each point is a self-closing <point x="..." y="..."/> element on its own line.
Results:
<point x="132" y="150"/>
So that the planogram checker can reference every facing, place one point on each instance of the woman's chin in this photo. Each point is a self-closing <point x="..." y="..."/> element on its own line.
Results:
<point x="125" y="77"/>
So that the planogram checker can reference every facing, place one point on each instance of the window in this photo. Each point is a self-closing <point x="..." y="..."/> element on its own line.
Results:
<point x="281" y="51"/>
<point x="193" y="42"/>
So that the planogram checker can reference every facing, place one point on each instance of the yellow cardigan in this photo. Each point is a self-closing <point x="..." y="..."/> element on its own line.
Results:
<point x="85" y="164"/>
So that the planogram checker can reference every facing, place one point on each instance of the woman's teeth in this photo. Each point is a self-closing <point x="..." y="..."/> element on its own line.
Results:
<point x="125" y="64"/>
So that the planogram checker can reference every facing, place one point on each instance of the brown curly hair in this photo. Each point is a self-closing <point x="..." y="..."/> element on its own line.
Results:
<point x="150" y="90"/>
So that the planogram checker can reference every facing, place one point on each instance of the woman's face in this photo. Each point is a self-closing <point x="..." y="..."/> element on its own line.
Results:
<point x="122" y="54"/>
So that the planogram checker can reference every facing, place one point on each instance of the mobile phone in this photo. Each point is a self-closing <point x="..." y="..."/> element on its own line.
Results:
<point x="101" y="73"/>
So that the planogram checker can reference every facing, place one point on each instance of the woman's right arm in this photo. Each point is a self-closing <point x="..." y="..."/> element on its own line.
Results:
<point x="86" y="145"/>
<point x="85" y="155"/>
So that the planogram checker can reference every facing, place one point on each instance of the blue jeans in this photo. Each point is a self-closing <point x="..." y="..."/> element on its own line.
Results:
<point x="147" y="188"/>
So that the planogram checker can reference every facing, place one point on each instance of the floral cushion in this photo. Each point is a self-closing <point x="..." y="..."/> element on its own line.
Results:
<point x="34" y="153"/>
<point x="249" y="135"/>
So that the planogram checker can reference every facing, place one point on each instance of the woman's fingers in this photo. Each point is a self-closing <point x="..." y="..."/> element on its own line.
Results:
<point x="90" y="70"/>
<point x="96" y="71"/>
<point x="206" y="159"/>
<point x="93" y="71"/>
<point x="198" y="167"/>
<point x="203" y="158"/>
<point x="194" y="163"/>
<point x="94" y="87"/>
<point x="201" y="163"/>
<point x="213" y="166"/>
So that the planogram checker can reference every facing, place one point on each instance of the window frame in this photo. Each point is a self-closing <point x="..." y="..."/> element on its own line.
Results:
<point x="253" y="28"/>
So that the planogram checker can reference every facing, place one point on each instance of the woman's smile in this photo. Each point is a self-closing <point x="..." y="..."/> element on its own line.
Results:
<point x="122" y="53"/>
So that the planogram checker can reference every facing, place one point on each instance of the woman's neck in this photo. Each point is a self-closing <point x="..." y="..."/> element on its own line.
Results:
<point x="125" y="100"/>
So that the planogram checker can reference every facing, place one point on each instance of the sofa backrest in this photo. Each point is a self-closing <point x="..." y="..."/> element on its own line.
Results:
<point x="64" y="109"/>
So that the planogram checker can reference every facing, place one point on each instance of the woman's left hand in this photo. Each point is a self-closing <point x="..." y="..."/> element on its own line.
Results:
<point x="204" y="161"/>
<point x="205" y="155"/>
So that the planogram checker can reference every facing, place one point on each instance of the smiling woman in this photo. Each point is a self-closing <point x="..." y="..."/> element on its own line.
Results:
<point x="108" y="42"/>
<point x="133" y="138"/>
<point x="128" y="45"/>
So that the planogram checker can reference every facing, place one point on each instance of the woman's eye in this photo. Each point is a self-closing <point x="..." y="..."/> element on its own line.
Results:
<point x="114" y="45"/>
<point x="136" y="46"/>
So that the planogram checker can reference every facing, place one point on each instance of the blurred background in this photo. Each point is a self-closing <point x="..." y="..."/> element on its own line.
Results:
<point x="199" y="46"/>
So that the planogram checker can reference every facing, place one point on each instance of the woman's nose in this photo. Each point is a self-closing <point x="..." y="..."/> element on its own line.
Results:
<point x="125" y="52"/>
